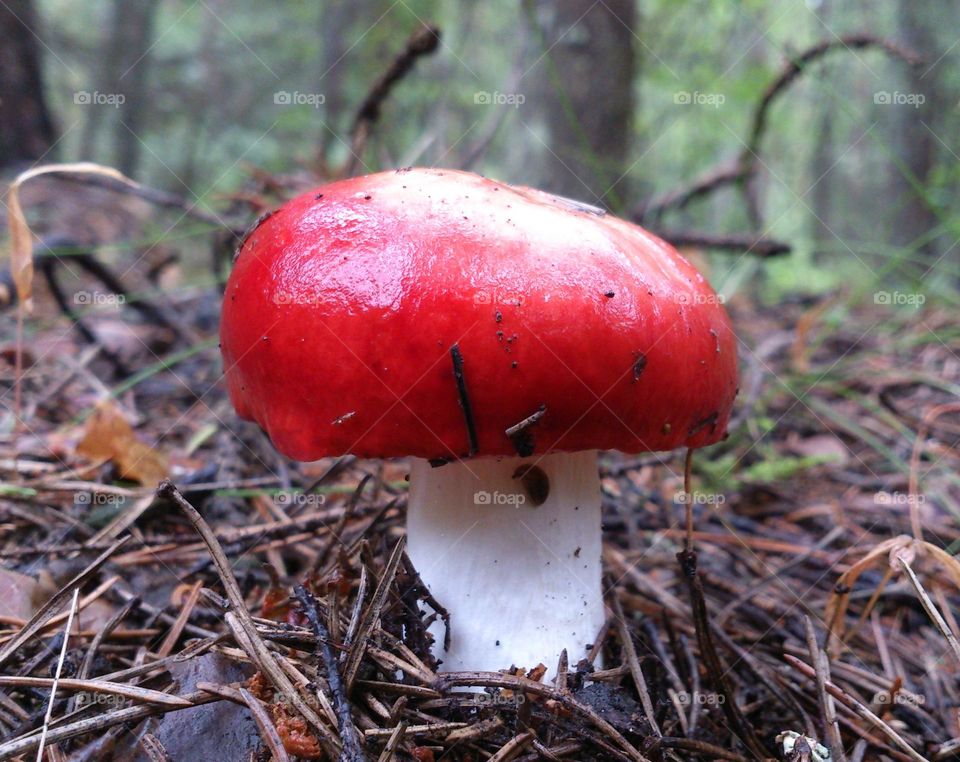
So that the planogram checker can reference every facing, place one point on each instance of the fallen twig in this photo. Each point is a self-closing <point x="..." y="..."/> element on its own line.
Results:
<point x="715" y="670"/>
<point x="242" y="625"/>
<point x="851" y="703"/>
<point x="448" y="680"/>
<point x="98" y="686"/>
<point x="348" y="733"/>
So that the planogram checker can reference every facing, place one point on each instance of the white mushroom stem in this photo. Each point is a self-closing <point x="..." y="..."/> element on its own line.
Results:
<point x="521" y="581"/>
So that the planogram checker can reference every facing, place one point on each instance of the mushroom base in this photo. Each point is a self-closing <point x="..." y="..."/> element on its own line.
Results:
<point x="521" y="581"/>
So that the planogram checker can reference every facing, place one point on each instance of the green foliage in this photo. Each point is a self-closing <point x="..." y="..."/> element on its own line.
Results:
<point x="837" y="175"/>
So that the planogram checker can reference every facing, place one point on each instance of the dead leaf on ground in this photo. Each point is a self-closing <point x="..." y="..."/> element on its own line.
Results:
<point x="20" y="595"/>
<point x="109" y="436"/>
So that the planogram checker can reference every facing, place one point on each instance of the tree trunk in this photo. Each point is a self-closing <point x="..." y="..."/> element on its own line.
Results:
<point x="914" y="143"/>
<point x="26" y="129"/>
<point x="334" y="25"/>
<point x="206" y="111"/>
<point x="128" y="69"/>
<point x="585" y="92"/>
<point x="822" y="161"/>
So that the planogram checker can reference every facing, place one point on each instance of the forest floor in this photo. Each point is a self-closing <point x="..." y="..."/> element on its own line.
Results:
<point x="817" y="598"/>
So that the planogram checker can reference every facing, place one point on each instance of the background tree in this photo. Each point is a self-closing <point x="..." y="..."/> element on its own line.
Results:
<point x="583" y="77"/>
<point x="26" y="127"/>
<point x="127" y="67"/>
<point x="836" y="172"/>
<point x="916" y="142"/>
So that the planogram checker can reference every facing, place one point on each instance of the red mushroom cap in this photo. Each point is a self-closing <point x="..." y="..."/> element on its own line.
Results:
<point x="428" y="312"/>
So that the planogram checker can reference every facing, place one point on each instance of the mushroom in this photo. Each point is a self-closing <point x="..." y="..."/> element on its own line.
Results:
<point x="498" y="336"/>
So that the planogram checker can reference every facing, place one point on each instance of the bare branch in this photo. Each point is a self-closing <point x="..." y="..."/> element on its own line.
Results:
<point x="743" y="169"/>
<point x="422" y="42"/>
<point x="751" y="244"/>
<point x="796" y="66"/>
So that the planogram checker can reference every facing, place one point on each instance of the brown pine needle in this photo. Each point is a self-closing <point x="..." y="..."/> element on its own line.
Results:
<point x="56" y="678"/>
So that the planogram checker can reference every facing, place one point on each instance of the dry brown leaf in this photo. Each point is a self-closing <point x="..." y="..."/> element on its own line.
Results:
<point x="21" y="250"/>
<point x="109" y="436"/>
<point x="21" y="238"/>
<point x="20" y="595"/>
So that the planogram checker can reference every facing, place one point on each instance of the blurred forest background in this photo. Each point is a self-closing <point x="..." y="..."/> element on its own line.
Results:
<point x="616" y="103"/>
<point x="804" y="154"/>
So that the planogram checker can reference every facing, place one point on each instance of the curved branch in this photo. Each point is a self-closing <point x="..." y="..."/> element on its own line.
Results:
<point x="750" y="244"/>
<point x="743" y="169"/>
<point x="796" y="66"/>
<point x="422" y="42"/>
<point x="154" y="196"/>
<point x="679" y="198"/>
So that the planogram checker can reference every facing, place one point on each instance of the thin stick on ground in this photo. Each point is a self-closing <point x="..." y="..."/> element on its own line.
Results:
<point x="930" y="607"/>
<point x="246" y="627"/>
<point x="23" y="744"/>
<point x="828" y="709"/>
<point x="97" y="686"/>
<point x="688" y="498"/>
<point x="708" y="652"/>
<point x="56" y="677"/>
<point x="393" y="743"/>
<point x="513" y="747"/>
<point x="447" y="680"/>
<point x="371" y="614"/>
<point x="87" y="665"/>
<point x="630" y="653"/>
<point x="153" y="748"/>
<point x="858" y="708"/>
<point x="267" y="729"/>
<point x="341" y="704"/>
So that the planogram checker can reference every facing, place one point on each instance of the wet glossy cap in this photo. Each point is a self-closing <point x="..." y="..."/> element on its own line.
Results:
<point x="440" y="314"/>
